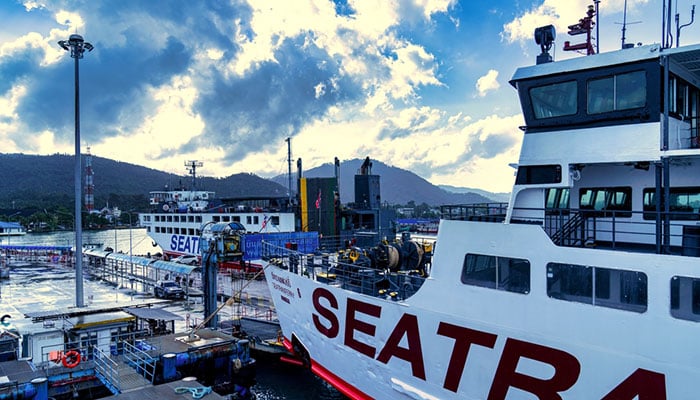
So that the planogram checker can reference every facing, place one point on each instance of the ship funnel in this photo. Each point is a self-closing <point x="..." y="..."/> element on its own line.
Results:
<point x="544" y="36"/>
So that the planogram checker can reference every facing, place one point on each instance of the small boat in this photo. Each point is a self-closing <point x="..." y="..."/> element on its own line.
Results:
<point x="585" y="286"/>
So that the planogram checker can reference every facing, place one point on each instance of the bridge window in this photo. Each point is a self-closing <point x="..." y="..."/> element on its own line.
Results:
<point x="685" y="298"/>
<point x="502" y="273"/>
<point x="554" y="100"/>
<point x="604" y="287"/>
<point x="617" y="92"/>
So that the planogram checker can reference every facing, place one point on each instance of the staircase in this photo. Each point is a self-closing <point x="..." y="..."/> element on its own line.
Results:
<point x="572" y="232"/>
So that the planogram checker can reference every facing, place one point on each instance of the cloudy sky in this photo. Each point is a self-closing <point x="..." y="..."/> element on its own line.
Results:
<point x="417" y="84"/>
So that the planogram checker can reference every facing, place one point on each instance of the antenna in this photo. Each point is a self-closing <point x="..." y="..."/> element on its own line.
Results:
<point x="289" y="169"/>
<point x="597" y="30"/>
<point x="678" y="28"/>
<point x="583" y="26"/>
<point x="192" y="169"/>
<point x="624" y="28"/>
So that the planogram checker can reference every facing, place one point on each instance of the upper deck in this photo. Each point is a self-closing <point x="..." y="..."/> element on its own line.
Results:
<point x="611" y="150"/>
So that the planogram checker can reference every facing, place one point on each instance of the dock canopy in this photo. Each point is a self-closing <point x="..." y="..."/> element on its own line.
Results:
<point x="136" y="260"/>
<point x="174" y="267"/>
<point x="153" y="313"/>
<point x="100" y="253"/>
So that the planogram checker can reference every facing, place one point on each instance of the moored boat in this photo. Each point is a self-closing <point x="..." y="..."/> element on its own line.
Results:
<point x="585" y="287"/>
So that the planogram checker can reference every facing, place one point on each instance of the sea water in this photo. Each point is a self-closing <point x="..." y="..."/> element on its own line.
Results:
<point x="276" y="380"/>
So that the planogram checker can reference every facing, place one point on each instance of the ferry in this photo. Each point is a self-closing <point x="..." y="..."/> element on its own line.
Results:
<point x="585" y="287"/>
<point x="177" y="216"/>
<point x="11" y="229"/>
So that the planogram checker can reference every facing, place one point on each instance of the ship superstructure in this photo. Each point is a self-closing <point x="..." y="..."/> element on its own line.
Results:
<point x="585" y="287"/>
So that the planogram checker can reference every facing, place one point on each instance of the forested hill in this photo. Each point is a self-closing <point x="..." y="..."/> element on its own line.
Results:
<point x="32" y="181"/>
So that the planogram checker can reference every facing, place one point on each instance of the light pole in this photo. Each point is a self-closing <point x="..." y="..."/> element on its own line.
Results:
<point x="77" y="47"/>
<point x="131" y="263"/>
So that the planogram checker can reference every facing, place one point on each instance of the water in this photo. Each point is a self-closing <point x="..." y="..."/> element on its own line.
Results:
<point x="276" y="380"/>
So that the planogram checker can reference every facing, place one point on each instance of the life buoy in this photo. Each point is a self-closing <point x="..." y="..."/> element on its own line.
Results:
<point x="71" y="359"/>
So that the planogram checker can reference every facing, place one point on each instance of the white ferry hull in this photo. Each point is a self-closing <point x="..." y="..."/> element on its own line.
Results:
<point x="456" y="341"/>
<point x="179" y="233"/>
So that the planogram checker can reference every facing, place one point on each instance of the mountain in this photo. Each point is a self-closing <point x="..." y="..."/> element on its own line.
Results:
<point x="397" y="186"/>
<point x="497" y="197"/>
<point x="41" y="181"/>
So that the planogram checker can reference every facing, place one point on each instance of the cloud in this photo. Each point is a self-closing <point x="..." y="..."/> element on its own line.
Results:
<point x="487" y="83"/>
<point x="226" y="82"/>
<point x="561" y="15"/>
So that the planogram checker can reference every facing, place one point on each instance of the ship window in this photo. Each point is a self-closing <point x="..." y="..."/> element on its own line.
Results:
<point x="620" y="289"/>
<point x="554" y="100"/>
<point x="685" y="298"/>
<point x="226" y="218"/>
<point x="198" y="219"/>
<point x="274" y="220"/>
<point x="216" y="218"/>
<point x="538" y="174"/>
<point x="557" y="201"/>
<point x="684" y="203"/>
<point x="256" y="220"/>
<point x="236" y="218"/>
<point x="617" y="92"/>
<point x="502" y="273"/>
<point x="607" y="202"/>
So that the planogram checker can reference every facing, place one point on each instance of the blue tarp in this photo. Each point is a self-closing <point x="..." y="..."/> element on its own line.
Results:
<point x="35" y="248"/>
<point x="307" y="242"/>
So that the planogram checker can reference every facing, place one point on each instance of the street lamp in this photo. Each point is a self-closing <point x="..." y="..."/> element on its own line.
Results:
<point x="77" y="47"/>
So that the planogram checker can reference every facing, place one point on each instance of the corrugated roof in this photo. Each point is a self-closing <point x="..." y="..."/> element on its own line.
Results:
<point x="153" y="313"/>
<point x="138" y="260"/>
<point x="174" y="267"/>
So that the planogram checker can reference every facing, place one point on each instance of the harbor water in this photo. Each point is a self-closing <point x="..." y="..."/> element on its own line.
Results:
<point x="33" y="288"/>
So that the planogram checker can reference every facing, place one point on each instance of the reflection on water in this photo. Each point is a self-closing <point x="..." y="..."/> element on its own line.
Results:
<point x="119" y="240"/>
<point x="35" y="288"/>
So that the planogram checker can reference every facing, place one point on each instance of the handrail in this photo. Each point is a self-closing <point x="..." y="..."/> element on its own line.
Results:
<point x="140" y="360"/>
<point x="107" y="369"/>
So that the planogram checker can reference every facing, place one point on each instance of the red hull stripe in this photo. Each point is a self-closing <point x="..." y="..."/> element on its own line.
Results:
<point x="342" y="386"/>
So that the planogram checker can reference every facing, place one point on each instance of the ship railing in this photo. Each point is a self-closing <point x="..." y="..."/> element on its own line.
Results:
<point x="139" y="356"/>
<point x="494" y="212"/>
<point x="677" y="232"/>
<point x="683" y="132"/>
<point x="356" y="273"/>
<point x="107" y="370"/>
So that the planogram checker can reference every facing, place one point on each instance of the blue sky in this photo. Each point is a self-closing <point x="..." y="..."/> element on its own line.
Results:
<point x="417" y="84"/>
